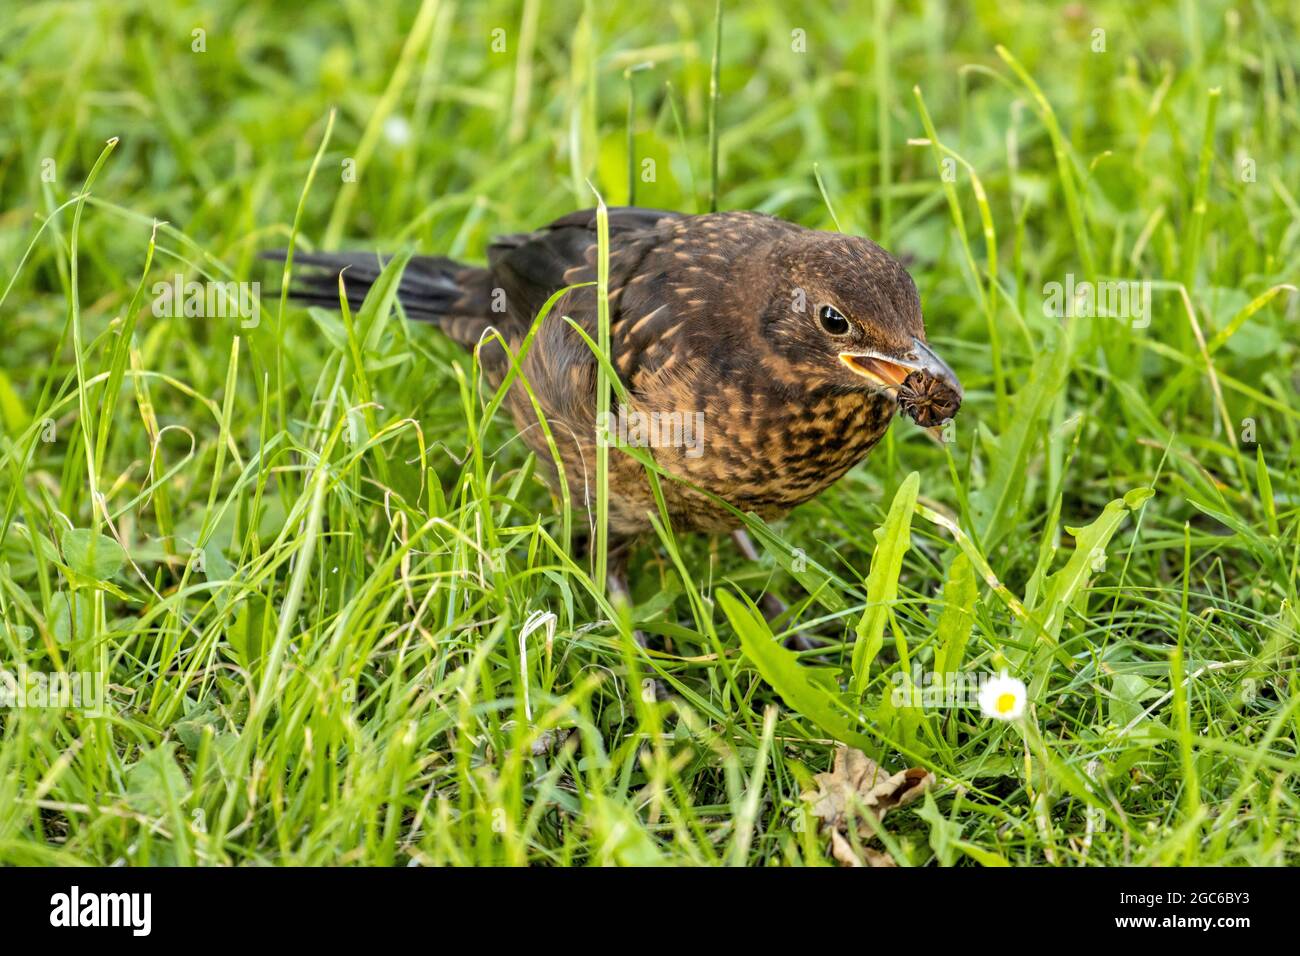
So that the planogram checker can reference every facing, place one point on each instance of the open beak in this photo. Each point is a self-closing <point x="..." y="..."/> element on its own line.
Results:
<point x="888" y="371"/>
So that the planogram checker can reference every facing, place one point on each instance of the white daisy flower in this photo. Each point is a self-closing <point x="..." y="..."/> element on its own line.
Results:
<point x="1003" y="697"/>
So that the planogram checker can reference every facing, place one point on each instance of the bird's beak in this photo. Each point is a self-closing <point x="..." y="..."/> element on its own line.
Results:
<point x="888" y="371"/>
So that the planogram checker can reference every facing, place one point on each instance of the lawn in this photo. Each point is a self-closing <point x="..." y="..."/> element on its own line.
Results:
<point x="319" y="605"/>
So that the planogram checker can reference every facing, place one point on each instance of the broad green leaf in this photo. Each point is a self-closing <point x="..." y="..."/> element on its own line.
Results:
<point x="1061" y="588"/>
<point x="190" y="728"/>
<point x="13" y="415"/>
<point x="1127" y="693"/>
<point x="155" y="784"/>
<point x="1226" y="333"/>
<point x="943" y="832"/>
<point x="960" y="592"/>
<point x="248" y="636"/>
<point x="215" y="565"/>
<point x="92" y="555"/>
<point x="1255" y="341"/>
<point x="66" y="626"/>
<point x="802" y="693"/>
<point x="980" y="855"/>
<point x="988" y="766"/>
<point x="892" y="541"/>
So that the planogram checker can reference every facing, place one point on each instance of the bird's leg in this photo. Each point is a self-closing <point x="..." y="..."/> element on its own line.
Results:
<point x="616" y="584"/>
<point x="771" y="605"/>
<point x="745" y="543"/>
<point x="619" y="550"/>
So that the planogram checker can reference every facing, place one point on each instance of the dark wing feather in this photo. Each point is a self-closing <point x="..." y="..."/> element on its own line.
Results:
<point x="530" y="267"/>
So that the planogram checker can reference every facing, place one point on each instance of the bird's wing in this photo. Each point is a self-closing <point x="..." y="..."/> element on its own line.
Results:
<point x="530" y="267"/>
<point x="677" y="292"/>
<point x="560" y="367"/>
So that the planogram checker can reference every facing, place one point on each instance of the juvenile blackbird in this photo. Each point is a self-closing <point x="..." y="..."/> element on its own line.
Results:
<point x="762" y="359"/>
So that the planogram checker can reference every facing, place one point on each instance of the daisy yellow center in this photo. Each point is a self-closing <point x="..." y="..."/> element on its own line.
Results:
<point x="1006" y="703"/>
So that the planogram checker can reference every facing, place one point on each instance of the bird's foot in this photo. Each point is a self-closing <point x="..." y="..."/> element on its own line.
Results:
<point x="773" y="607"/>
<point x="652" y="688"/>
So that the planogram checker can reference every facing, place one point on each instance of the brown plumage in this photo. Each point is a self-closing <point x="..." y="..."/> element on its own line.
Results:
<point x="763" y="360"/>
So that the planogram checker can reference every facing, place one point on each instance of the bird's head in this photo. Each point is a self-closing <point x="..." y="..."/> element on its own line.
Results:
<point x="845" y="314"/>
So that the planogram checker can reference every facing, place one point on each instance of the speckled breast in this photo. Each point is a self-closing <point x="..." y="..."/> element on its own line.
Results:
<point x="765" y="456"/>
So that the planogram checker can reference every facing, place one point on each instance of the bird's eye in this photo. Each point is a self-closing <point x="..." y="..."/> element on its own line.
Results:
<point x="832" y="321"/>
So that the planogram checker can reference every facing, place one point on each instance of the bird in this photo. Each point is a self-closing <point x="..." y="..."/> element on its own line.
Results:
<point x="760" y="360"/>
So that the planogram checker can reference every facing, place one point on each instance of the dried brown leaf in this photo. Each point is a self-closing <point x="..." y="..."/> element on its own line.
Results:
<point x="855" y="777"/>
<point x="857" y="783"/>
<point x="842" y="851"/>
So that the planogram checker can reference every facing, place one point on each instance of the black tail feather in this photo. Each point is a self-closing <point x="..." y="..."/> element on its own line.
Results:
<point x="431" y="287"/>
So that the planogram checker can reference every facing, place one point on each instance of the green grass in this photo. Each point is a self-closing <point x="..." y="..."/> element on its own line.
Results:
<point x="310" y="632"/>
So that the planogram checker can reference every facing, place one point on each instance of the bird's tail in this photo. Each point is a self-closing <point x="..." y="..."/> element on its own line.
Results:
<point x="455" y="296"/>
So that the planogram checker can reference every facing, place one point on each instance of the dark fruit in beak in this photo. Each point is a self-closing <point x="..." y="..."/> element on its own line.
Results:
<point x="927" y="399"/>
